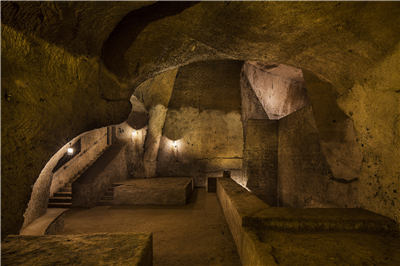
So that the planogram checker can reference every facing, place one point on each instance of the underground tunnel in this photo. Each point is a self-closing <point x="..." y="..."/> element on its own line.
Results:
<point x="288" y="110"/>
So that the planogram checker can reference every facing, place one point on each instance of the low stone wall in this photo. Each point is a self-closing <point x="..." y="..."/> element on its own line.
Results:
<point x="238" y="205"/>
<point x="246" y="215"/>
<point x="50" y="223"/>
<point x="56" y="225"/>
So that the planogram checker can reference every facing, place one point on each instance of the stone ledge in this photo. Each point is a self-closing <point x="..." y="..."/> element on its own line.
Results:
<point x="246" y="214"/>
<point x="320" y="219"/>
<point x="48" y="224"/>
<point x="91" y="249"/>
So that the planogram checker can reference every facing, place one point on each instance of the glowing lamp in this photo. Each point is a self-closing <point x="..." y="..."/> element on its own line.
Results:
<point x="70" y="151"/>
<point x="174" y="143"/>
<point x="133" y="132"/>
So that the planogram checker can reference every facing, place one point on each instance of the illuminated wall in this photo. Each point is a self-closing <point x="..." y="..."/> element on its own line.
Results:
<point x="204" y="119"/>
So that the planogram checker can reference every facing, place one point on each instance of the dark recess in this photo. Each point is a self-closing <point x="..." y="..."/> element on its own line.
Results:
<point x="127" y="30"/>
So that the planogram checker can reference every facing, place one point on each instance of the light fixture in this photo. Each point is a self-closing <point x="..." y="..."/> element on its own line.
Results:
<point x="174" y="143"/>
<point x="133" y="132"/>
<point x="70" y="150"/>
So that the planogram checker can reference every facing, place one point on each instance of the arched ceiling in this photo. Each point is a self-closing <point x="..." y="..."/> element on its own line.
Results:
<point x="335" y="40"/>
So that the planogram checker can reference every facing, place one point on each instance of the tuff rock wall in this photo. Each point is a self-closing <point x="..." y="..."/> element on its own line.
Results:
<point x="54" y="84"/>
<point x="204" y="120"/>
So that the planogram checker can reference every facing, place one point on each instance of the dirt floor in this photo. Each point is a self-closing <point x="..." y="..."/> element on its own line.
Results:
<point x="194" y="234"/>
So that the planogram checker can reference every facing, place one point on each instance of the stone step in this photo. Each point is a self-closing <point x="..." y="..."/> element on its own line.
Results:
<point x="109" y="193"/>
<point x="65" y="189"/>
<point x="60" y="200"/>
<point x="59" y="205"/>
<point x="105" y="202"/>
<point x="107" y="198"/>
<point x="63" y="194"/>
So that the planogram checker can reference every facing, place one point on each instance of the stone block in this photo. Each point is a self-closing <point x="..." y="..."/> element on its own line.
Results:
<point x="157" y="191"/>
<point x="247" y="216"/>
<point x="134" y="249"/>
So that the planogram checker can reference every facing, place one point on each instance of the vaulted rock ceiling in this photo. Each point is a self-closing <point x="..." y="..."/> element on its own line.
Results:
<point x="68" y="67"/>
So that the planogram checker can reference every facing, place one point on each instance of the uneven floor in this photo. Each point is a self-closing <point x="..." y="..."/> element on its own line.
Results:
<point x="194" y="234"/>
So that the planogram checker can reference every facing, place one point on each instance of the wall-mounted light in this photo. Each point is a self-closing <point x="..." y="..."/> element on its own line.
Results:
<point x="133" y="132"/>
<point x="174" y="143"/>
<point x="70" y="150"/>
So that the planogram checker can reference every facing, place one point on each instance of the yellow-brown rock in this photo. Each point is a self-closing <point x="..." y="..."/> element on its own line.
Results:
<point x="58" y="80"/>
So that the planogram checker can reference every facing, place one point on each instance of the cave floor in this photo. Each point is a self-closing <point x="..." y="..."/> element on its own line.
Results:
<point x="198" y="234"/>
<point x="194" y="234"/>
<point x="332" y="248"/>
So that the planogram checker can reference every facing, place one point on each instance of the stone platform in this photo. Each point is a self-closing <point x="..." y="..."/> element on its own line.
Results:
<point x="154" y="191"/>
<point x="267" y="235"/>
<point x="91" y="249"/>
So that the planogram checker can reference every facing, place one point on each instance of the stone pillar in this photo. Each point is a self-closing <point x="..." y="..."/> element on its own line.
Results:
<point x="156" y="124"/>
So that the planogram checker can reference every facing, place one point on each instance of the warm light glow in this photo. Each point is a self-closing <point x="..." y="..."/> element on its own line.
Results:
<point x="133" y="132"/>
<point x="70" y="151"/>
<point x="174" y="143"/>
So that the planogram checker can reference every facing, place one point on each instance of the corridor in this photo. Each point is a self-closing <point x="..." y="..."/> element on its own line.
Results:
<point x="194" y="234"/>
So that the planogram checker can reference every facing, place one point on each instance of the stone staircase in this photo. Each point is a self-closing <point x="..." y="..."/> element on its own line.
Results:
<point x="108" y="198"/>
<point x="63" y="197"/>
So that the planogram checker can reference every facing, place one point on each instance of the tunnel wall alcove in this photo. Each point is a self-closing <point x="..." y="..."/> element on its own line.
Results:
<point x="354" y="46"/>
<point x="52" y="96"/>
<point x="93" y="142"/>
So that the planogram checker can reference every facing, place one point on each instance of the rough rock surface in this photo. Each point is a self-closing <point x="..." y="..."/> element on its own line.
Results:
<point x="112" y="166"/>
<point x="204" y="120"/>
<point x="86" y="249"/>
<point x="261" y="157"/>
<point x="251" y="106"/>
<point x="281" y="89"/>
<point x="288" y="236"/>
<point x="305" y="177"/>
<point x="54" y="97"/>
<point x="155" y="95"/>
<point x="54" y="85"/>
<point x="153" y="138"/>
<point x="154" y="191"/>
<point x="157" y="90"/>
